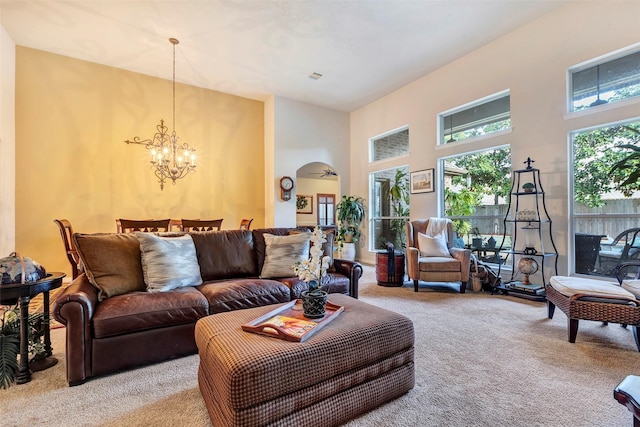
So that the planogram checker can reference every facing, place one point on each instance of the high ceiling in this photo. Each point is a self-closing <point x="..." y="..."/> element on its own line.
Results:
<point x="364" y="49"/>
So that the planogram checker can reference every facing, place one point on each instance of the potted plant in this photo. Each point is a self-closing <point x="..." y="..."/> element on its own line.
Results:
<point x="10" y="342"/>
<point x="528" y="187"/>
<point x="350" y="213"/>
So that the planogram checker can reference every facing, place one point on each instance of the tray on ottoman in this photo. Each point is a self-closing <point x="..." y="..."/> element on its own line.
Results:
<point x="357" y="362"/>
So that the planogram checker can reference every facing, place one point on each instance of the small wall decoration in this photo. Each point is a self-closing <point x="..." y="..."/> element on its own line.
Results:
<point x="422" y="181"/>
<point x="304" y="204"/>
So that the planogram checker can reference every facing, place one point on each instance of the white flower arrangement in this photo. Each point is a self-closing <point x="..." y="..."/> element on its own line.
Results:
<point x="315" y="268"/>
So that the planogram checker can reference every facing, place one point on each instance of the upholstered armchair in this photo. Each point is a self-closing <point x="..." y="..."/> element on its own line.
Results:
<point x="437" y="260"/>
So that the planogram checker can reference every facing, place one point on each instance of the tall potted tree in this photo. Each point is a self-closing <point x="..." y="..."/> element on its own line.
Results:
<point x="350" y="213"/>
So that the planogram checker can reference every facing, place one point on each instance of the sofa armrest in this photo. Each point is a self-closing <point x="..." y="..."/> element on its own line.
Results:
<point x="74" y="308"/>
<point x="464" y="256"/>
<point x="351" y="269"/>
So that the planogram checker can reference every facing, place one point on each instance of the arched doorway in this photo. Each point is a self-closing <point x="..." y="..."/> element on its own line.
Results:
<point x="317" y="192"/>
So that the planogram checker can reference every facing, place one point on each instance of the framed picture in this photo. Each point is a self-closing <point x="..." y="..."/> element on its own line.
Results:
<point x="304" y="204"/>
<point x="422" y="181"/>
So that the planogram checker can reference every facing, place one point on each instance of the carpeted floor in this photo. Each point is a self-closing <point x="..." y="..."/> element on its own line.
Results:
<point x="481" y="360"/>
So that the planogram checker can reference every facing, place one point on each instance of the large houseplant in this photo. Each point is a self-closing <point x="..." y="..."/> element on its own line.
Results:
<point x="350" y="212"/>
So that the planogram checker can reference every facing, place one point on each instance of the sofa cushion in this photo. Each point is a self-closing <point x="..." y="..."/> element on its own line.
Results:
<point x="224" y="254"/>
<point x="282" y="252"/>
<point x="141" y="311"/>
<point x="112" y="262"/>
<point x="435" y="246"/>
<point x="168" y="262"/>
<point x="226" y="295"/>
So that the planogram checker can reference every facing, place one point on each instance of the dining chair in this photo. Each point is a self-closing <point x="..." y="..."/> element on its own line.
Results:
<point x="245" y="224"/>
<point x="200" y="224"/>
<point x="148" y="225"/>
<point x="66" y="232"/>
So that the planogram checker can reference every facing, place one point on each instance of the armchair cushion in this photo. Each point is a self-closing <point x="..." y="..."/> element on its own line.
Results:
<point x="632" y="286"/>
<point x="435" y="246"/>
<point x="569" y="286"/>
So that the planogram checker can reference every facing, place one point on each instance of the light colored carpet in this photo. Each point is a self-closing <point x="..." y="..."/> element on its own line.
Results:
<point x="481" y="360"/>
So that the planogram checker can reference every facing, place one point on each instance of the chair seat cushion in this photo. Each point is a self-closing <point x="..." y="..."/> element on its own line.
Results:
<point x="439" y="264"/>
<point x="632" y="286"/>
<point x="570" y="286"/>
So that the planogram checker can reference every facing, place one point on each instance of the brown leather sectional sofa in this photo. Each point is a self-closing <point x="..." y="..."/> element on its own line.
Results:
<point x="113" y="323"/>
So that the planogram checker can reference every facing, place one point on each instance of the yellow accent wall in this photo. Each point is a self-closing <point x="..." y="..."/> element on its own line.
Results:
<point x="72" y="118"/>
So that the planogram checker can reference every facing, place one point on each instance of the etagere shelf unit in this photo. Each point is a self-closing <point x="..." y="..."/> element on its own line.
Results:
<point x="531" y="236"/>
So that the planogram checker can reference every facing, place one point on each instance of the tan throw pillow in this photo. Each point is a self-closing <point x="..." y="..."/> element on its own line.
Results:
<point x="433" y="246"/>
<point x="282" y="252"/>
<point x="168" y="262"/>
<point x="111" y="262"/>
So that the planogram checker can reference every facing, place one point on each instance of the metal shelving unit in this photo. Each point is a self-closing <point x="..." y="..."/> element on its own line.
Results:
<point x="527" y="213"/>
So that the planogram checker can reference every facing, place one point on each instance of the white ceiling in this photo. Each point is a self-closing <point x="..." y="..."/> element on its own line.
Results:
<point x="364" y="49"/>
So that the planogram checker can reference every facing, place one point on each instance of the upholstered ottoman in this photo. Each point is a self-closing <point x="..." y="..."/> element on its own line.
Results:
<point x="355" y="363"/>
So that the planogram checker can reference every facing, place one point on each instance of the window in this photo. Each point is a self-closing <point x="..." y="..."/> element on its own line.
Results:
<point x="606" y="194"/>
<point x="389" y="207"/>
<point x="389" y="190"/>
<point x="326" y="209"/>
<point x="474" y="193"/>
<point x="486" y="116"/>
<point x="606" y="82"/>
<point x="391" y="145"/>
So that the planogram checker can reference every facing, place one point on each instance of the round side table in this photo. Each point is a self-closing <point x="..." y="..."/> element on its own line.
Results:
<point x="22" y="293"/>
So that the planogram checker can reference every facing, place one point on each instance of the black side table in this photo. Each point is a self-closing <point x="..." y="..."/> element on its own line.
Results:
<point x="22" y="293"/>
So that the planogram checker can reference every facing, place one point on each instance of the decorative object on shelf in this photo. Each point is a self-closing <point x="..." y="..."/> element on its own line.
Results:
<point x="491" y="242"/>
<point x="528" y="187"/>
<point x="170" y="159"/>
<point x="286" y="185"/>
<point x="18" y="269"/>
<point x="526" y="215"/>
<point x="312" y="271"/>
<point x="527" y="266"/>
<point x="529" y="232"/>
<point x="350" y="212"/>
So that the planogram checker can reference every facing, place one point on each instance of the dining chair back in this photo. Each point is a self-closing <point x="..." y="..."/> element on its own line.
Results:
<point x="245" y="224"/>
<point x="147" y="225"/>
<point x="200" y="224"/>
<point x="66" y="232"/>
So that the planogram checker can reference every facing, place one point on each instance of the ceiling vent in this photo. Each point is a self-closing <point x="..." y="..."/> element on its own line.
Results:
<point x="315" y="76"/>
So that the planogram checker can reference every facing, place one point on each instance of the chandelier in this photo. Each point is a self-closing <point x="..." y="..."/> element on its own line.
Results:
<point x="170" y="159"/>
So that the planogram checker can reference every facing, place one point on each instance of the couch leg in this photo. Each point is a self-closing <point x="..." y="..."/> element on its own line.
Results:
<point x="551" y="308"/>
<point x="573" y="329"/>
<point x="415" y="286"/>
<point x="463" y="287"/>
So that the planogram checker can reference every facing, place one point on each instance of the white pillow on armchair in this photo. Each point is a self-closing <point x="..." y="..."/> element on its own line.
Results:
<point x="433" y="246"/>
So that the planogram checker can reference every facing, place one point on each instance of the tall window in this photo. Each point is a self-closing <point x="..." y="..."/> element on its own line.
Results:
<point x="483" y="117"/>
<point x="606" y="195"/>
<point x="475" y="191"/>
<point x="389" y="189"/>
<point x="390" y="207"/>
<point x="605" y="82"/>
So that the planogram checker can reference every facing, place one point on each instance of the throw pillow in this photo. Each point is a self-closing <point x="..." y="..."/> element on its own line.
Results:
<point x="282" y="252"/>
<point x="168" y="262"/>
<point x="111" y="263"/>
<point x="433" y="246"/>
<point x="327" y="247"/>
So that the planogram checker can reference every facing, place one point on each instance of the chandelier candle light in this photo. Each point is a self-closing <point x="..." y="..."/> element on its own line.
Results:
<point x="169" y="158"/>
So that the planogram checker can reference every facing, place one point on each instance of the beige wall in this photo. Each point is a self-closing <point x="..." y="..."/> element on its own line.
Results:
<point x="71" y="120"/>
<point x="7" y="144"/>
<point x="532" y="62"/>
